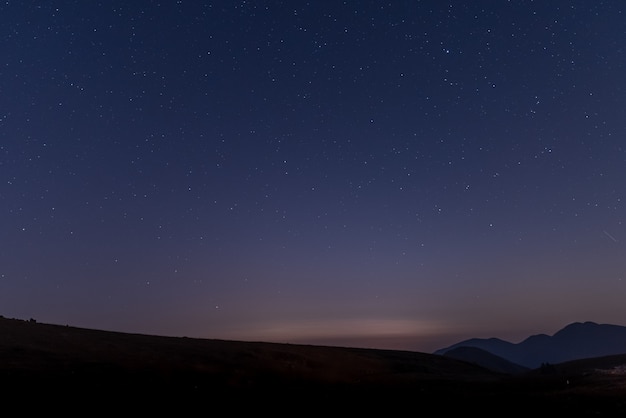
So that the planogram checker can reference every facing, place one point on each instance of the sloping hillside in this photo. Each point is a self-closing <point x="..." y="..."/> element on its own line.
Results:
<point x="485" y="359"/>
<point x="51" y="368"/>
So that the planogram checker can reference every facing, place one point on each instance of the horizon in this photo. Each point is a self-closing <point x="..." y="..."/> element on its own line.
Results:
<point x="414" y="343"/>
<point x="396" y="174"/>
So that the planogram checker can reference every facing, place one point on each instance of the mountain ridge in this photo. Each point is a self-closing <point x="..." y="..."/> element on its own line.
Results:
<point x="576" y="340"/>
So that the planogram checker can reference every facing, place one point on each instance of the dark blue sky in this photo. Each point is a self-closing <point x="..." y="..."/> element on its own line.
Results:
<point x="388" y="174"/>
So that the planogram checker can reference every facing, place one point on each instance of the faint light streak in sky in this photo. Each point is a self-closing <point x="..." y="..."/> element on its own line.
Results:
<point x="610" y="236"/>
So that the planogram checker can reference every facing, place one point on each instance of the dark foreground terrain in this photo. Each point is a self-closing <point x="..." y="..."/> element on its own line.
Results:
<point x="55" y="368"/>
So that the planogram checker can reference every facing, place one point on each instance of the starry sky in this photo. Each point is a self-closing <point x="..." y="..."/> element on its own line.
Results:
<point x="397" y="174"/>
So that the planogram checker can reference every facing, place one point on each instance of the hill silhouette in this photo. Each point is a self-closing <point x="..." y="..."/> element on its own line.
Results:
<point x="485" y="359"/>
<point x="76" y="371"/>
<point x="575" y="341"/>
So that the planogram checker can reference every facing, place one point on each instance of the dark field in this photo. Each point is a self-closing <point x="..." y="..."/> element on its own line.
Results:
<point x="64" y="369"/>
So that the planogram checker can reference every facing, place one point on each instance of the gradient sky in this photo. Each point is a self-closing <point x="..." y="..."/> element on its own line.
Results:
<point x="400" y="174"/>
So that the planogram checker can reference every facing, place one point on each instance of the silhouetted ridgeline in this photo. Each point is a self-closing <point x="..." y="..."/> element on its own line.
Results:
<point x="575" y="341"/>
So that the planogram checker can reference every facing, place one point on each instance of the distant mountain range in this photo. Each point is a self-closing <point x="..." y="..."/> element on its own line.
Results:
<point x="575" y="341"/>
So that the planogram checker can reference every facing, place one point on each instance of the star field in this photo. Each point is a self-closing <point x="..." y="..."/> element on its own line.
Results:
<point x="389" y="174"/>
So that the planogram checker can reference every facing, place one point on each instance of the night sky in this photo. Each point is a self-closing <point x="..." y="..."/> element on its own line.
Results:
<point x="400" y="174"/>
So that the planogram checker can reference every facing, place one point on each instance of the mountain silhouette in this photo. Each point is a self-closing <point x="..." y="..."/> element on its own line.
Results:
<point x="575" y="341"/>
